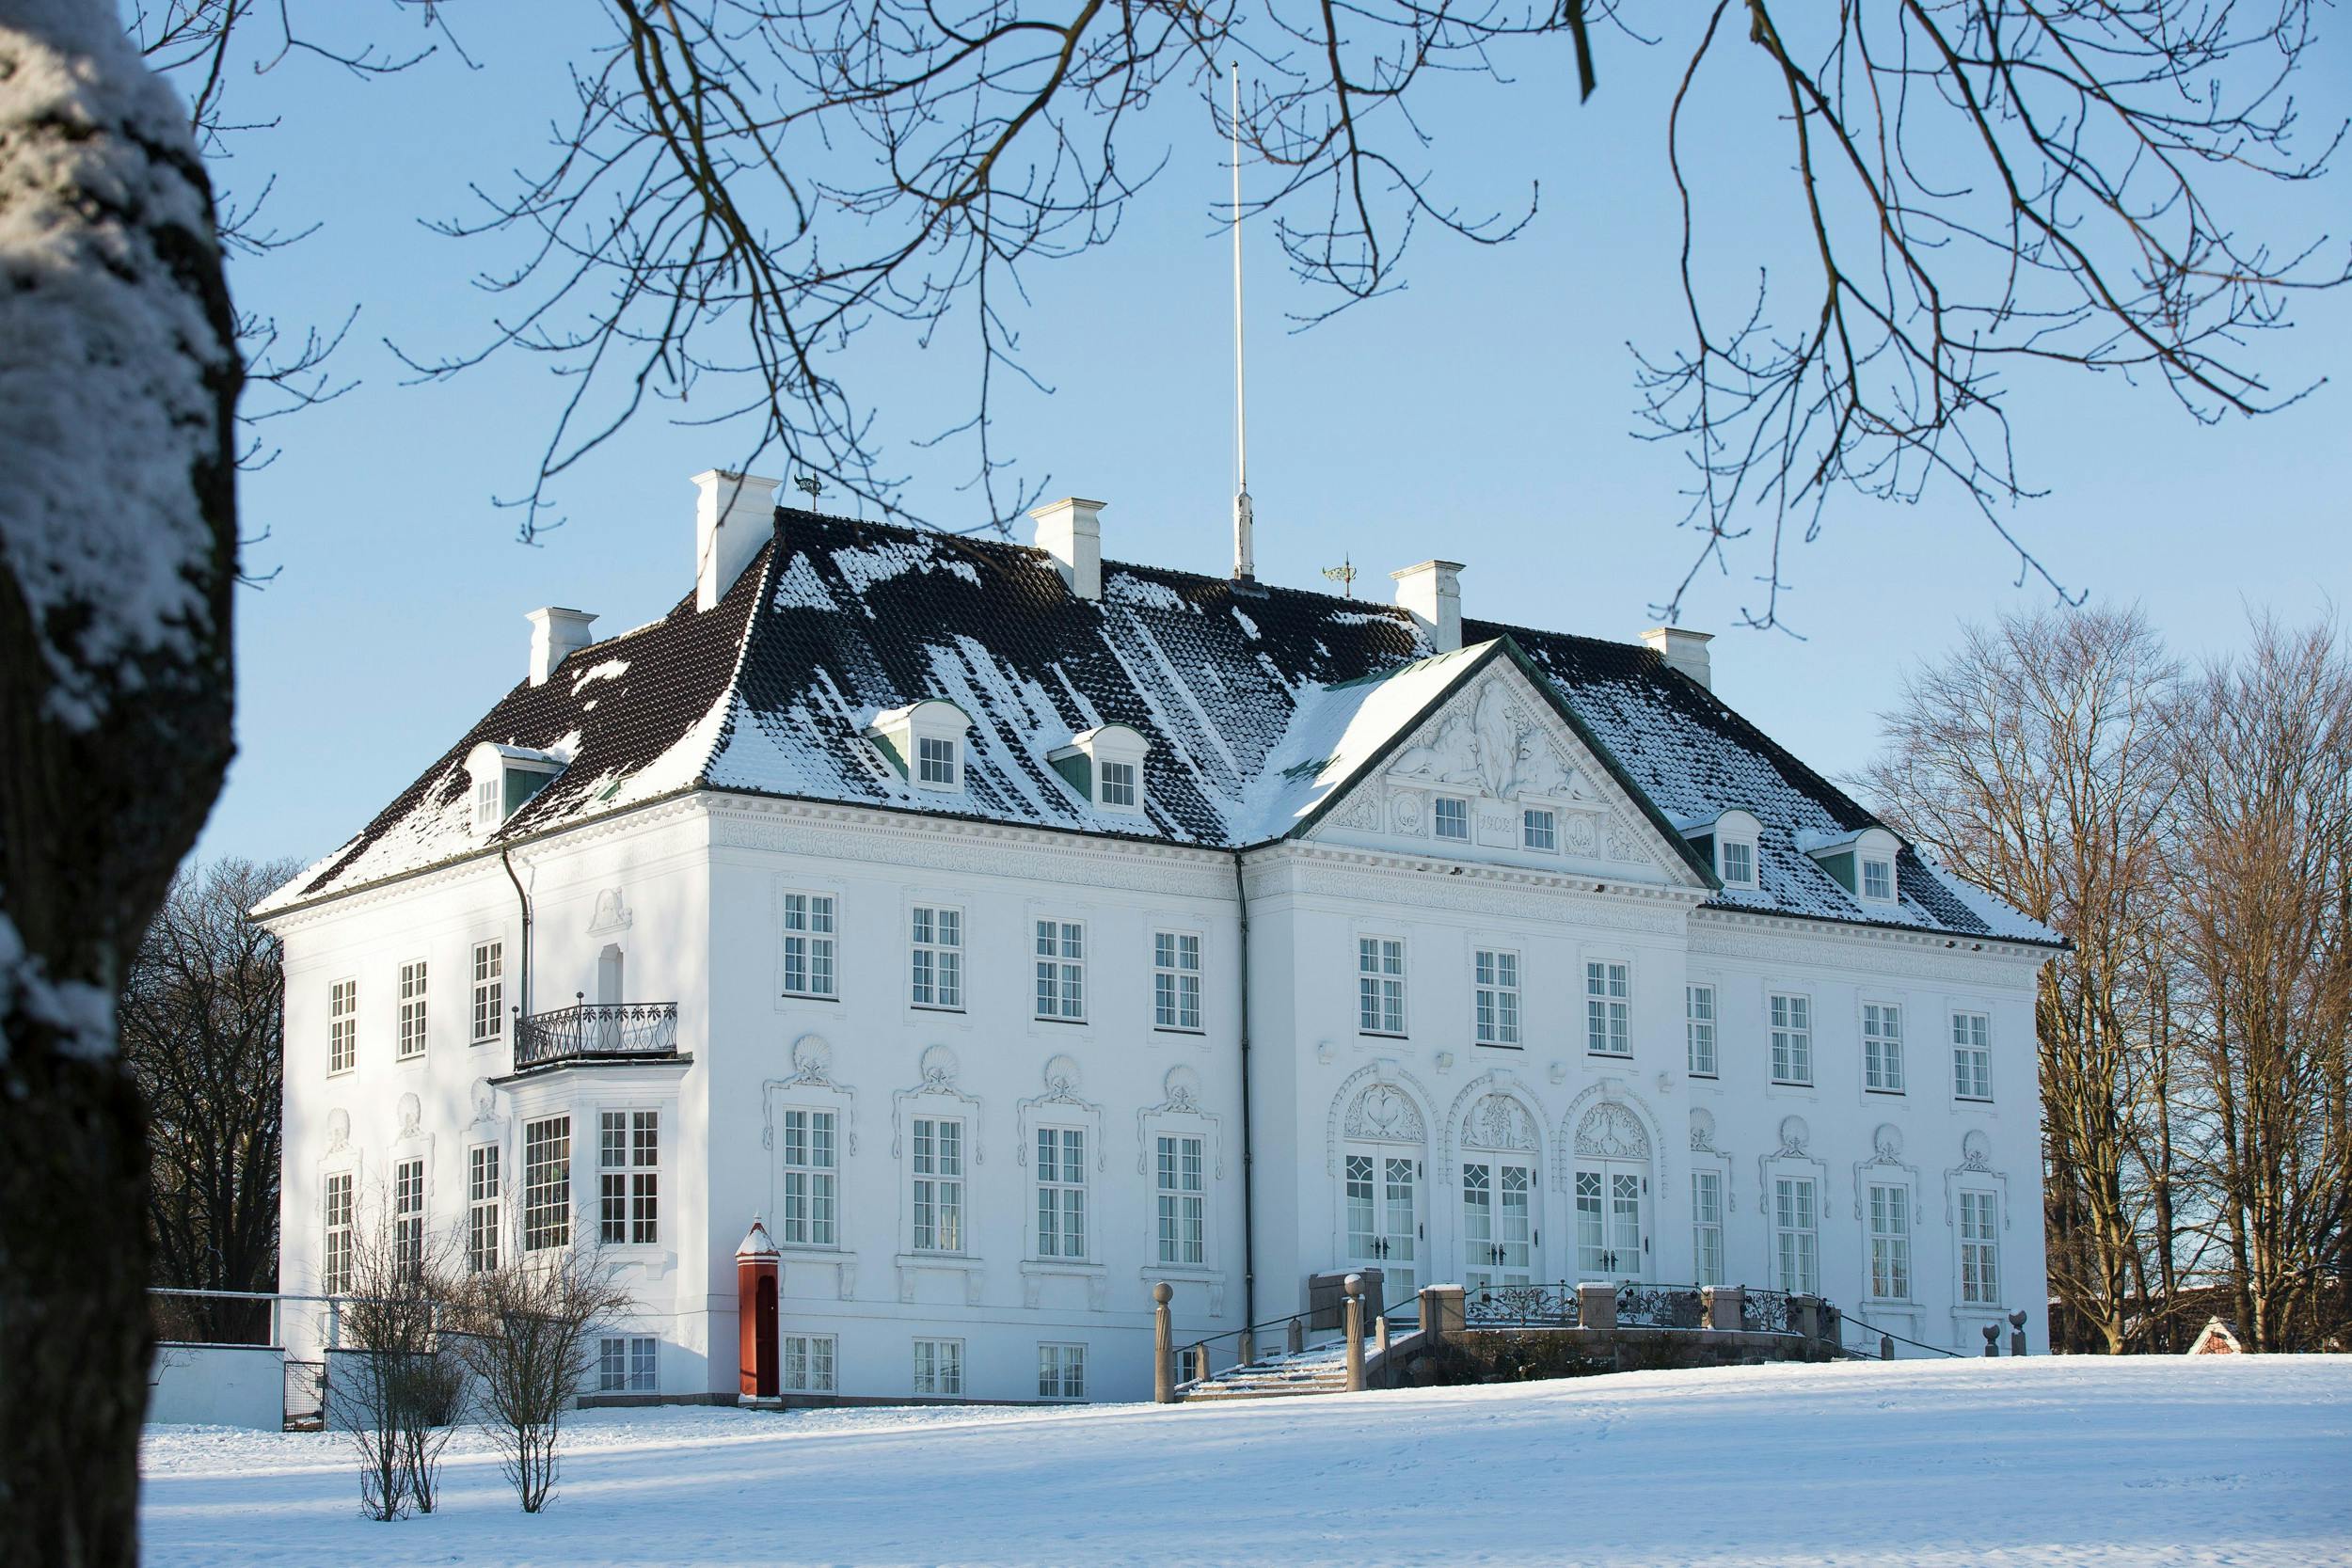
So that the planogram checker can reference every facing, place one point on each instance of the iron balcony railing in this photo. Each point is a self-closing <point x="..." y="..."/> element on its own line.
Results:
<point x="597" y="1031"/>
<point x="1638" y="1305"/>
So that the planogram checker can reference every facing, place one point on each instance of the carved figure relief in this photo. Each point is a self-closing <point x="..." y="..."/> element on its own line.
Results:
<point x="611" y="913"/>
<point x="1405" y="815"/>
<point x="1577" y="834"/>
<point x="1498" y="1121"/>
<point x="1611" y="1131"/>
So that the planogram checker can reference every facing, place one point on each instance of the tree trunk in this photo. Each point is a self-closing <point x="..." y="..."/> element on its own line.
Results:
<point x="118" y="378"/>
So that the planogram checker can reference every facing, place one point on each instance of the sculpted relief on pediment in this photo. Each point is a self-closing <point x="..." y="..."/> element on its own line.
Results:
<point x="1493" y="743"/>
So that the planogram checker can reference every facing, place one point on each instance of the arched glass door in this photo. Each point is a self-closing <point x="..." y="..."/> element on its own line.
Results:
<point x="1610" y="1191"/>
<point x="1380" y="1182"/>
<point x="1501" y="1214"/>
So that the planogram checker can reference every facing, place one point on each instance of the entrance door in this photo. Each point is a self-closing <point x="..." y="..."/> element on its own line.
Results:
<point x="1498" y="1223"/>
<point x="1384" y="1218"/>
<point x="1610" y="1234"/>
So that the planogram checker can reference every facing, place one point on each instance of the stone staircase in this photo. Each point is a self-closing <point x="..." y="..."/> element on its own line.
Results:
<point x="1317" y="1370"/>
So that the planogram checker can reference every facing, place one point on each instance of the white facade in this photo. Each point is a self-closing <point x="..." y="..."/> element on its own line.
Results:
<point x="1007" y="1184"/>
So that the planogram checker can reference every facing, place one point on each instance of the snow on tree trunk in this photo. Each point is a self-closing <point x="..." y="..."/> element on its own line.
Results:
<point x="118" y="381"/>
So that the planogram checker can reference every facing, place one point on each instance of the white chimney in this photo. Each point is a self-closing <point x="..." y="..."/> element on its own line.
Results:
<point x="1071" y="531"/>
<point x="1683" y="650"/>
<point x="1430" y="593"/>
<point x="556" y="634"/>
<point x="734" y="515"/>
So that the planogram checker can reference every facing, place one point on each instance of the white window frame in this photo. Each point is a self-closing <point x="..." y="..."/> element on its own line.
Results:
<point x="342" y="1026"/>
<point x="1796" y="1233"/>
<point x="1380" y="974"/>
<point x="1540" y="830"/>
<point x="1884" y="866"/>
<point x="1059" y="964"/>
<point x="1887" y="1207"/>
<point x="408" y="1212"/>
<point x="1176" y="981"/>
<point x="1972" y="1057"/>
<point x="1725" y="860"/>
<point x="482" y="1205"/>
<point x="1609" y="1007"/>
<point x="811" y="1364"/>
<point x="413" y="1014"/>
<point x="546" y="1184"/>
<point x="489" y="991"/>
<point x="490" y="800"/>
<point x="811" y="949"/>
<point x="809" y="1148"/>
<point x="935" y="957"/>
<point x="1437" y="814"/>
<point x="1061" y="1371"/>
<point x="1119" y="785"/>
<point x="1180" y="1192"/>
<point x="938" y="1368"/>
<point x="628" y="1363"/>
<point x="1882" y="1047"/>
<point x="1980" y="1248"/>
<point x="337" y="1210"/>
<point x="936" y="1163"/>
<point x="1702" y="1018"/>
<point x="1061" y="1234"/>
<point x="1495" y="998"/>
<point x="1790" y="1032"/>
<point x="1706" y="1226"/>
<point x="938" y="762"/>
<point x="629" y="1175"/>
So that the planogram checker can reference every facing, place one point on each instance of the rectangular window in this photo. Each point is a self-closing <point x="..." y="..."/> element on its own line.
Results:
<point x="546" y="1184"/>
<point x="1495" y="991"/>
<point x="939" y="1366"/>
<point x="1061" y="1192"/>
<point x="1707" y="1224"/>
<point x="628" y="1363"/>
<point x="1972" y="1057"/>
<point x="490" y="990"/>
<point x="936" y="762"/>
<point x="1979" y="1250"/>
<point x="1792" y="1039"/>
<point x="808" y="1364"/>
<point x="1698" y="1029"/>
<point x="409" y="1214"/>
<point x="1890" y="1241"/>
<point x="1540" y="829"/>
<point x="335" y="1255"/>
<point x="1062" y="1371"/>
<point x="1608" y="1009"/>
<point x="1119" y="784"/>
<point x="411" y="1009"/>
<point x="938" y="1184"/>
<point x="628" y="1193"/>
<point x="1380" y="985"/>
<point x="342" y="1025"/>
<point x="808" y="944"/>
<point x="1796" y="1234"/>
<point x="1175" y="980"/>
<point x="482" y="1208"/>
<point x="1453" y="818"/>
<point x="810" y="1179"/>
<point x="1882" y="1047"/>
<point x="937" y="979"/>
<point x="1739" y="864"/>
<point x="1878" y="881"/>
<point x="1061" y="970"/>
<point x="1183" y="1200"/>
<point x="489" y="802"/>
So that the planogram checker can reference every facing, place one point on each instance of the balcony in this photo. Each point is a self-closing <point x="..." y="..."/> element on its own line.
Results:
<point x="597" y="1032"/>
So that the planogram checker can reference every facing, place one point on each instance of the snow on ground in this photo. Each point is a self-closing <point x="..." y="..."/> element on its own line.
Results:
<point x="2058" y="1461"/>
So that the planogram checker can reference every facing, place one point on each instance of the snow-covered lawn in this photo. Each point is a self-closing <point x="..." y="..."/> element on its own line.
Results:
<point x="2237" y="1460"/>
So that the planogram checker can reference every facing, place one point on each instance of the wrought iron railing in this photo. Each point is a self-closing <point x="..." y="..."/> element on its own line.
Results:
<point x="1661" y="1307"/>
<point x="596" y="1030"/>
<point x="1767" y="1312"/>
<point x="1520" y="1306"/>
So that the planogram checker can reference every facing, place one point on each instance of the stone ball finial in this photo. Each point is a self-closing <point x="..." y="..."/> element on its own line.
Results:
<point x="1353" y="1285"/>
<point x="1163" y="1293"/>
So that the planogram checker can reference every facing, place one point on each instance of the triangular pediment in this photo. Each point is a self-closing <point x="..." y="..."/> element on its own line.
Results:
<point x="1495" y="745"/>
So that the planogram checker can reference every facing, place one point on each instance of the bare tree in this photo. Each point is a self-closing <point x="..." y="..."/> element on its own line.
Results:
<point x="202" y="1016"/>
<point x="2263" y="876"/>
<point x="2037" y="762"/>
<point x="119" y="376"/>
<point x="398" y="1386"/>
<point x="527" y="1345"/>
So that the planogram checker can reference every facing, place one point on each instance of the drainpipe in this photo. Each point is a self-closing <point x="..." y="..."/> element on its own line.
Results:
<point x="1249" y="1149"/>
<point x="506" y="858"/>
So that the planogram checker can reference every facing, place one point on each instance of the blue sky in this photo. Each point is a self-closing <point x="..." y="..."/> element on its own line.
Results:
<point x="1485" y="412"/>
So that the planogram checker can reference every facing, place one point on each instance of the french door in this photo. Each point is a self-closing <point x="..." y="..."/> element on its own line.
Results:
<point x="1610" y="1238"/>
<point x="1384" y="1219"/>
<point x="1498" y="1223"/>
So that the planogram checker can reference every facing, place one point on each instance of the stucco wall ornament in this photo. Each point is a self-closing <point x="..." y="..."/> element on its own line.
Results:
<point x="1702" y="1130"/>
<point x="940" y="1070"/>
<point x="611" y="913"/>
<point x="811" y="1074"/>
<point x="411" y="1116"/>
<point x="1498" y="1121"/>
<point x="1181" y="1097"/>
<point x="1404" y="813"/>
<point x="1976" y="1153"/>
<point x="338" y="1130"/>
<point x="1378" y="1102"/>
<point x="1795" y="1136"/>
<point x="1611" y="1131"/>
<point x="1062" y="1098"/>
<point x="1381" y="1113"/>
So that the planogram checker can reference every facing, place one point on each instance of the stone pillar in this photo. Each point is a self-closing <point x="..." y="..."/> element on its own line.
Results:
<point x="757" y="1280"/>
<point x="1724" y="1303"/>
<point x="1887" y="1347"/>
<point x="1992" y="1339"/>
<point x="1805" y="1316"/>
<point x="1597" y="1306"/>
<point x="1163" y="1346"/>
<point x="1249" y="1347"/>
<point x="1296" y="1340"/>
<point x="1380" y="1335"/>
<point x="1201" y="1361"/>
<point x="1352" y="1328"/>
<point x="2017" y="1332"/>
<point x="1443" y="1314"/>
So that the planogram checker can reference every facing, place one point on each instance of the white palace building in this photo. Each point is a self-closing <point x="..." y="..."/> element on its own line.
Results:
<point x="1010" y="930"/>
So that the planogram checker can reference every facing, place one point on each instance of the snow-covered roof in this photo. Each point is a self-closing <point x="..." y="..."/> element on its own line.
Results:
<point x="1259" y="702"/>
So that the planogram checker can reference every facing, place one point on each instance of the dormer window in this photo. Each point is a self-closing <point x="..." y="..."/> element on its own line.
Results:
<point x="504" y="778"/>
<point x="1862" y="861"/>
<point x="922" y="742"/>
<point x="1105" y="764"/>
<point x="1729" y="840"/>
<point x="1452" y="818"/>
